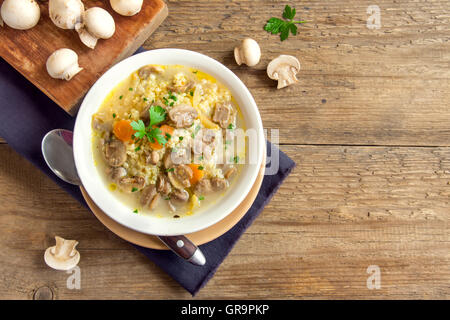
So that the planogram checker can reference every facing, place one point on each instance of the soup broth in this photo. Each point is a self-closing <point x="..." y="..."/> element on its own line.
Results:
<point x="164" y="141"/>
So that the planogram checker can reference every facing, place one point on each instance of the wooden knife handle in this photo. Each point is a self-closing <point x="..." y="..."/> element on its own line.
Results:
<point x="184" y="248"/>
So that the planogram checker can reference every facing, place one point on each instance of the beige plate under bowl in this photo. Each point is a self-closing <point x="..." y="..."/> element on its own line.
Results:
<point x="199" y="237"/>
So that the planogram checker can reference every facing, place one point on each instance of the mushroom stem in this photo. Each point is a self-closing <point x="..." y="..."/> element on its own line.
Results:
<point x="71" y="71"/>
<point x="62" y="256"/>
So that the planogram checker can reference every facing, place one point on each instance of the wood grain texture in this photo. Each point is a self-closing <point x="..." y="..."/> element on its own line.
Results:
<point x="357" y="86"/>
<point x="367" y="126"/>
<point x="27" y="51"/>
<point x="341" y="210"/>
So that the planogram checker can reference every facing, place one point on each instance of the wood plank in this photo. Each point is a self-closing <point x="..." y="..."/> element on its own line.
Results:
<point x="341" y="210"/>
<point x="357" y="86"/>
<point x="27" y="51"/>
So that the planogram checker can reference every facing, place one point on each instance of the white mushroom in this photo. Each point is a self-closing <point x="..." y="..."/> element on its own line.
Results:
<point x="96" y="24"/>
<point x="20" y="14"/>
<point x="284" y="69"/>
<point x="126" y="7"/>
<point x="65" y="14"/>
<point x="248" y="53"/>
<point x="63" y="64"/>
<point x="62" y="256"/>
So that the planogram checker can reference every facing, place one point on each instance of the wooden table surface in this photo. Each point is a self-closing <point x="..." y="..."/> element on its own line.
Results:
<point x="368" y="125"/>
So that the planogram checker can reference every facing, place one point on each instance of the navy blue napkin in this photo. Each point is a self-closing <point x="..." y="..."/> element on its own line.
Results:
<point x="26" y="115"/>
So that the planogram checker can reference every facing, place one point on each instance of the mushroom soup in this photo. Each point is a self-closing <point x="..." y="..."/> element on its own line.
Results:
<point x="164" y="141"/>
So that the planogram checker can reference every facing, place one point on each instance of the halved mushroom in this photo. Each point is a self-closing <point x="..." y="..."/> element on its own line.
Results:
<point x="203" y="187"/>
<point x="179" y="195"/>
<point x="101" y="125"/>
<point x="116" y="173"/>
<point x="219" y="184"/>
<point x="62" y="256"/>
<point x="115" y="153"/>
<point x="284" y="69"/>
<point x="224" y="114"/>
<point x="176" y="156"/>
<point x="183" y="115"/>
<point x="65" y="14"/>
<point x="180" y="176"/>
<point x="96" y="24"/>
<point x="152" y="158"/>
<point x="146" y="71"/>
<point x="163" y="185"/>
<point x="150" y="197"/>
<point x="131" y="184"/>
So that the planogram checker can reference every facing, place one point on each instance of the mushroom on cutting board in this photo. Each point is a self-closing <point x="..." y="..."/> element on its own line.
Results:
<point x="96" y="23"/>
<point x="62" y="256"/>
<point x="65" y="14"/>
<point x="247" y="53"/>
<point x="284" y="69"/>
<point x="63" y="64"/>
<point x="126" y="7"/>
<point x="20" y="14"/>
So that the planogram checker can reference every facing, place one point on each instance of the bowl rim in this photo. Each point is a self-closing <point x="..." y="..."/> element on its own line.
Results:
<point x="111" y="78"/>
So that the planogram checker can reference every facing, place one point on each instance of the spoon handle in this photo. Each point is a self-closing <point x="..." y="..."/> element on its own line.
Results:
<point x="184" y="248"/>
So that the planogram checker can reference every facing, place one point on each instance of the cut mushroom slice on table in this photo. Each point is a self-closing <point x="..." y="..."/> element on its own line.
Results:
<point x="20" y="14"/>
<point x="96" y="24"/>
<point x="248" y="53"/>
<point x="62" y="256"/>
<point x="284" y="69"/>
<point x="63" y="64"/>
<point x="126" y="7"/>
<point x="65" y="14"/>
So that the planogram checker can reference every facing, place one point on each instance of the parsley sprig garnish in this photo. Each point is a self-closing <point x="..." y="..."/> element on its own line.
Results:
<point x="153" y="133"/>
<point x="277" y="25"/>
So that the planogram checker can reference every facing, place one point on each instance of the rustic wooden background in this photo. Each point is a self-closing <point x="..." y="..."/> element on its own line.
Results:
<point x="369" y="128"/>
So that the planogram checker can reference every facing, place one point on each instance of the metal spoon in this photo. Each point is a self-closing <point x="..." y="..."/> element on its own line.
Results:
<point x="58" y="154"/>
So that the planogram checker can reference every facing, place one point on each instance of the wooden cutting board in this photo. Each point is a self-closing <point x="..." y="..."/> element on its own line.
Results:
<point x="27" y="51"/>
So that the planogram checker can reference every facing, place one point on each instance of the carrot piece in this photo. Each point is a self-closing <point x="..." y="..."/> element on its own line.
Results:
<point x="123" y="130"/>
<point x="197" y="173"/>
<point x="165" y="129"/>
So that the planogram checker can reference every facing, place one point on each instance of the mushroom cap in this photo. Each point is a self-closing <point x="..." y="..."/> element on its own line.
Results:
<point x="65" y="13"/>
<point x="63" y="64"/>
<point x="99" y="23"/>
<point x="20" y="14"/>
<point x="126" y="7"/>
<point x="62" y="256"/>
<point x="248" y="52"/>
<point x="280" y="62"/>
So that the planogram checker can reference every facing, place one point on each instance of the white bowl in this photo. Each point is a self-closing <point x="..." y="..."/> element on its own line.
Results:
<point x="105" y="199"/>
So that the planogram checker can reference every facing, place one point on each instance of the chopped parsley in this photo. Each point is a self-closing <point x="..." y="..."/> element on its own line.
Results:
<point x="200" y="168"/>
<point x="231" y="126"/>
<point x="137" y="148"/>
<point x="120" y="97"/>
<point x="145" y="99"/>
<point x="130" y="89"/>
<point x="134" y="189"/>
<point x="196" y="130"/>
<point x="170" y="170"/>
<point x="201" y="198"/>
<point x="167" y="198"/>
<point x="181" y="138"/>
<point x="235" y="159"/>
<point x="114" y="115"/>
<point x="191" y="93"/>
<point x="166" y="102"/>
<point x="135" y="210"/>
<point x="171" y="104"/>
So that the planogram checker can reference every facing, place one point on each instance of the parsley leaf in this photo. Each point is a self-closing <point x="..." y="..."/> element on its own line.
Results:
<point x="153" y="134"/>
<point x="157" y="115"/>
<point x="283" y="27"/>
